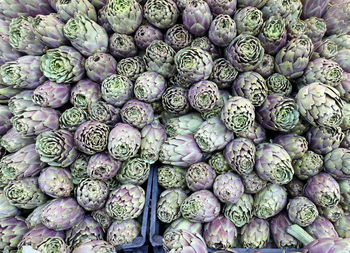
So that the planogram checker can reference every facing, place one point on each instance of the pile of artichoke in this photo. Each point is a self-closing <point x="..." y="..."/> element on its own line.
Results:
<point x="242" y="105"/>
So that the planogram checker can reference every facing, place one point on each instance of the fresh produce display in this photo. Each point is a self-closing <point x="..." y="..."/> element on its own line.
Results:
<point x="237" y="111"/>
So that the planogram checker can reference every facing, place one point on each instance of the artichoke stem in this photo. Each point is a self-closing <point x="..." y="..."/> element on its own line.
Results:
<point x="300" y="234"/>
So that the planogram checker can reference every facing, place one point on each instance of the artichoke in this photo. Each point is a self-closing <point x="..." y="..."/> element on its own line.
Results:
<point x="337" y="163"/>
<point x="178" y="37"/>
<point x="149" y="87"/>
<point x="103" y="219"/>
<point x="11" y="230"/>
<point x="180" y="240"/>
<point x="322" y="228"/>
<point x="122" y="46"/>
<point x="200" y="176"/>
<point x="79" y="168"/>
<point x="302" y="211"/>
<point x="314" y="8"/>
<point x="270" y="201"/>
<point x="120" y="233"/>
<point x="337" y="17"/>
<point x="308" y="165"/>
<point x="296" y="28"/>
<point x="252" y="183"/>
<point x="56" y="182"/>
<point x="327" y="49"/>
<point x="126" y="202"/>
<point x="145" y="35"/>
<point x="186" y="124"/>
<point x="72" y="118"/>
<point x="323" y="190"/>
<point x="316" y="28"/>
<point x="278" y="226"/>
<point x="218" y="162"/>
<point x="6" y="209"/>
<point x="201" y="206"/>
<point x="137" y="113"/>
<point x="295" y="145"/>
<point x="203" y="95"/>
<point x="249" y="20"/>
<point x="125" y="16"/>
<point x="255" y="234"/>
<point x="171" y="177"/>
<point x="223" y="73"/>
<point x="162" y="14"/>
<point x="323" y="140"/>
<point x="67" y="9"/>
<point x="255" y="133"/>
<point x="344" y="87"/>
<point x="91" y="137"/>
<point x="18" y="104"/>
<point x="97" y="246"/>
<point x="245" y="52"/>
<point x="175" y="100"/>
<point x="63" y="65"/>
<point x="51" y="94"/>
<point x="327" y="245"/>
<point x="91" y="194"/>
<point x="116" y="90"/>
<point x="134" y="171"/>
<point x="228" y="188"/>
<point x="124" y="142"/>
<point x="181" y="223"/>
<point x="218" y="7"/>
<point x="84" y="93"/>
<point x="342" y="226"/>
<point x="267" y="66"/>
<point x="240" y="212"/>
<point x="131" y="67"/>
<point x="169" y="203"/>
<point x="215" y="112"/>
<point x="104" y="112"/>
<point x="332" y="213"/>
<point x="100" y="66"/>
<point x="205" y="44"/>
<point x="344" y="193"/>
<point x="197" y="17"/>
<point x="342" y="59"/>
<point x="222" y="30"/>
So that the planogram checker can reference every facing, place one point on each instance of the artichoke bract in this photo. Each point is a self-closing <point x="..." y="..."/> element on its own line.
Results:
<point x="149" y="86"/>
<point x="273" y="164"/>
<point x="124" y="141"/>
<point x="203" y="95"/>
<point x="197" y="17"/>
<point x="201" y="206"/>
<point x="100" y="66"/>
<point x="152" y="137"/>
<point x="175" y="100"/>
<point x="56" y="182"/>
<point x="62" y="214"/>
<point x="249" y="20"/>
<point x="51" y="94"/>
<point x="169" y="203"/>
<point x="134" y="171"/>
<point x="308" y="165"/>
<point x="255" y="234"/>
<point x="220" y="233"/>
<point x="337" y="163"/>
<point x="295" y="145"/>
<point x="92" y="194"/>
<point x="278" y="226"/>
<point x="270" y="201"/>
<point x="323" y="190"/>
<point x="124" y="16"/>
<point x="179" y="240"/>
<point x="322" y="228"/>
<point x="223" y="73"/>
<point x="91" y="137"/>
<point x="137" y="113"/>
<point x="63" y="65"/>
<point x="245" y="52"/>
<point x="238" y="114"/>
<point x="67" y="9"/>
<point x="302" y="211"/>
<point x="171" y="177"/>
<point x="200" y="176"/>
<point x="146" y="34"/>
<point x="228" y="188"/>
<point x="12" y="229"/>
<point x="323" y="140"/>
<point x="252" y="183"/>
<point x="122" y="46"/>
<point x="126" y="202"/>
<point x="116" y="90"/>
<point x="95" y="246"/>
<point x="222" y="30"/>
<point x="181" y="150"/>
<point x="120" y="233"/>
<point x="186" y="124"/>
<point x="292" y="59"/>
<point x="72" y="118"/>
<point x="102" y="167"/>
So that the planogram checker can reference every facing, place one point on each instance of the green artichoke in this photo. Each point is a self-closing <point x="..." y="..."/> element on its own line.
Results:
<point x="277" y="83"/>
<point x="186" y="124"/>
<point x="171" y="177"/>
<point x="302" y="211"/>
<point x="223" y="73"/>
<point x="255" y="234"/>
<point x="120" y="233"/>
<point x="11" y="229"/>
<point x="66" y="9"/>
<point x="308" y="165"/>
<point x="200" y="176"/>
<point x="134" y="171"/>
<point x="249" y="20"/>
<point x="131" y="67"/>
<point x="116" y="90"/>
<point x="79" y="168"/>
<point x="169" y="203"/>
<point x="218" y="162"/>
<point x="91" y="194"/>
<point x="161" y="13"/>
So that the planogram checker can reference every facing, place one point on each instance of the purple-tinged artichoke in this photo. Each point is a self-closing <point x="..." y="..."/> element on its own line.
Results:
<point x="22" y="37"/>
<point x="149" y="86"/>
<point x="103" y="112"/>
<point x="342" y="40"/>
<point x="102" y="218"/>
<point x="85" y="231"/>
<point x="337" y="163"/>
<point x="245" y="52"/>
<point x="122" y="46"/>
<point x="200" y="176"/>
<point x="345" y="194"/>
<point x="310" y="164"/>
<point x="56" y="148"/>
<point x="201" y="206"/>
<point x="25" y="193"/>
<point x="241" y="212"/>
<point x="315" y="28"/>
<point x="203" y="95"/>
<point x="332" y="213"/>
<point x="120" y="233"/>
<point x="240" y="155"/>
<point x="224" y="95"/>
<point x="327" y="114"/>
<point x="56" y="182"/>
<point x="337" y="18"/>
<point x="131" y="67"/>
<point x="35" y="120"/>
<point x="249" y="20"/>
<point x="169" y="203"/>
<point x="159" y="57"/>
<point x="95" y="246"/>
<point x="72" y="118"/>
<point x="63" y="65"/>
<point x="123" y="142"/>
<point x="220" y="233"/>
<point x="252" y="183"/>
<point x="228" y="188"/>
<point x="238" y="114"/>
<point x="327" y="49"/>
<point x="252" y="86"/>
<point x="205" y="44"/>
<point x="197" y="17"/>
<point x="314" y="8"/>
<point x="7" y="92"/>
<point x="256" y="3"/>
<point x="178" y="37"/>
<point x="161" y="13"/>
<point x="51" y="94"/>
<point x="6" y="209"/>
<point x="292" y="59"/>
<point x="12" y="9"/>
<point x="302" y="211"/>
<point x="84" y="93"/>
<point x="193" y="63"/>
<point x="181" y="223"/>
<point x="223" y="73"/>
<point x="13" y="141"/>
<point x="100" y="66"/>
<point x="323" y="140"/>
<point x="273" y="163"/>
<point x="152" y="138"/>
<point x="92" y="194"/>
<point x="181" y="240"/>
<point x="270" y="201"/>
<point x="222" y="30"/>
<point x="295" y="145"/>
<point x="49" y="30"/>
<point x="295" y="187"/>
<point x="175" y="100"/>
<point x="102" y="167"/>
<point x="342" y="226"/>
<point x="278" y="226"/>
<point x="321" y="228"/>
<point x="126" y="202"/>
<point x="218" y="7"/>
<point x="79" y="168"/>
<point x="137" y="113"/>
<point x="255" y="133"/>
<point x="296" y="28"/>
<point x="267" y="66"/>
<point x="91" y="137"/>
<point x="67" y="9"/>
<point x="12" y="230"/>
<point x="218" y="162"/>
<point x="22" y="73"/>
<point x="273" y="35"/>
<point x="277" y="83"/>
<point x="7" y="52"/>
<point x="116" y="90"/>
<point x="181" y="150"/>
<point x="124" y="16"/>
<point x="171" y="177"/>
<point x="20" y="102"/>
<point x="323" y="190"/>
<point x="145" y="34"/>
<point x="134" y="171"/>
<point x="342" y="59"/>
<point x="255" y="234"/>
<point x="344" y="87"/>
<point x="62" y="214"/>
